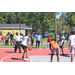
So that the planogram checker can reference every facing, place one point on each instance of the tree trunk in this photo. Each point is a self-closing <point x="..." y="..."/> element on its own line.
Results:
<point x="43" y="31"/>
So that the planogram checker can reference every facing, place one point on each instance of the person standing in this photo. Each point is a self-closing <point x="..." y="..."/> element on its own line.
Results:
<point x="63" y="37"/>
<point x="7" y="39"/>
<point x="25" y="44"/>
<point x="38" y="38"/>
<point x="72" y="44"/>
<point x="3" y="39"/>
<point x="21" y="37"/>
<point x="48" y="41"/>
<point x="54" y="47"/>
<point x="17" y="43"/>
<point x="11" y="39"/>
<point x="32" y="39"/>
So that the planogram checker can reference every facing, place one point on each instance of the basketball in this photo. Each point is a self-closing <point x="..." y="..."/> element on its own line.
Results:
<point x="29" y="48"/>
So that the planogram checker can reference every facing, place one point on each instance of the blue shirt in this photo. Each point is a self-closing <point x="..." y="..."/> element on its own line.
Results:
<point x="38" y="37"/>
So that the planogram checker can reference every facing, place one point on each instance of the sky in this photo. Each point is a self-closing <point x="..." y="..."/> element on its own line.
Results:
<point x="58" y="16"/>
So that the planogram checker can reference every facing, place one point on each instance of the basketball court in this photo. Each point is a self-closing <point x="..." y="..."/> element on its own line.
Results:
<point x="36" y="55"/>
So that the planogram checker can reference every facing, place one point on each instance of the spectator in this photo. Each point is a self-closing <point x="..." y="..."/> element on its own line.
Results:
<point x="63" y="37"/>
<point x="11" y="39"/>
<point x="21" y="37"/>
<point x="48" y="41"/>
<point x="32" y="39"/>
<point x="38" y="38"/>
<point x="17" y="43"/>
<point x="7" y="40"/>
<point x="3" y="39"/>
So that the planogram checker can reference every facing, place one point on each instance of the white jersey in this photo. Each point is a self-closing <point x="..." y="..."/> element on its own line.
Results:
<point x="72" y="38"/>
<point x="24" y="41"/>
<point x="17" y="38"/>
<point x="21" y="37"/>
<point x="60" y="43"/>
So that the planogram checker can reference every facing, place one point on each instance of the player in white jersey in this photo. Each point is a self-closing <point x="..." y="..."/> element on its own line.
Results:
<point x="61" y="44"/>
<point x="25" y="44"/>
<point x="72" y="44"/>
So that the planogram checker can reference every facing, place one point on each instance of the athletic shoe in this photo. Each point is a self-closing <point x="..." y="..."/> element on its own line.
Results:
<point x="26" y="59"/>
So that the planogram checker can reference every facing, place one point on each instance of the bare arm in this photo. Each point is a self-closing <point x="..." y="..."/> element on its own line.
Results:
<point x="28" y="42"/>
<point x="50" y="47"/>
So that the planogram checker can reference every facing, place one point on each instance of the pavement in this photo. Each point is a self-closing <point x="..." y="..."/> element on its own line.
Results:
<point x="47" y="58"/>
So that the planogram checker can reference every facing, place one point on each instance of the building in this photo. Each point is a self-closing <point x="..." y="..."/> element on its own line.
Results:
<point x="12" y="28"/>
<point x="74" y="28"/>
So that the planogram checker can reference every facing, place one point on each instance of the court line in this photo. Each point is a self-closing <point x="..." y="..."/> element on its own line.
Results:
<point x="7" y="56"/>
<point x="11" y="55"/>
<point x="30" y="59"/>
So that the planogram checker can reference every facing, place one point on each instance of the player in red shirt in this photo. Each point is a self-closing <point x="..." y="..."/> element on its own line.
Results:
<point x="48" y="41"/>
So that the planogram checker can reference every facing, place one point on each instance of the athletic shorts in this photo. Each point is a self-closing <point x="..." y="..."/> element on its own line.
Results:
<point x="55" y="50"/>
<point x="61" y="47"/>
<point x="72" y="49"/>
<point x="24" y="47"/>
<point x="32" y="41"/>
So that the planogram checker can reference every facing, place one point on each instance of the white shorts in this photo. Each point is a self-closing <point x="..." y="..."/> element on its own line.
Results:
<point x="72" y="49"/>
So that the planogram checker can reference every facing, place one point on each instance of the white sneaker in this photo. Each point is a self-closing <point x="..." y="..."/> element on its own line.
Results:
<point x="26" y="59"/>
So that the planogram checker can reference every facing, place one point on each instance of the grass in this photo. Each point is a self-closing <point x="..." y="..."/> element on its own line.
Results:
<point x="12" y="46"/>
<point x="6" y="46"/>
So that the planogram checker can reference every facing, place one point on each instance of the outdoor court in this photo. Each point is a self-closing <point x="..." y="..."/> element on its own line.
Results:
<point x="36" y="55"/>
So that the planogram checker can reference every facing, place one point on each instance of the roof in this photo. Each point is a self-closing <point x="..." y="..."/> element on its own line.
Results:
<point x="12" y="25"/>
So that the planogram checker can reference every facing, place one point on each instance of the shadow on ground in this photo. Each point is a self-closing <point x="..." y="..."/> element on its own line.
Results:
<point x="9" y="51"/>
<point x="16" y="58"/>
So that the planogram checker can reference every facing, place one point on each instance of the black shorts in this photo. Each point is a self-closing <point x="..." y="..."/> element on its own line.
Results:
<point x="61" y="47"/>
<point x="32" y="41"/>
<point x="24" y="47"/>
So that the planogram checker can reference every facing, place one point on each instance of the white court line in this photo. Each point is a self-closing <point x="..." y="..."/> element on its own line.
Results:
<point x="6" y="57"/>
<point x="30" y="58"/>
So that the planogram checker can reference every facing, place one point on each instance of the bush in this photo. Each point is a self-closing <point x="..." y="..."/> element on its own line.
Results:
<point x="52" y="35"/>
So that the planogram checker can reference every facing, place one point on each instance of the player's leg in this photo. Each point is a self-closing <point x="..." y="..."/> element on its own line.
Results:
<point x="52" y="53"/>
<point x="27" y="53"/>
<point x="52" y="57"/>
<point x="72" y="53"/>
<point x="57" y="52"/>
<point x="23" y="54"/>
<point x="62" y="49"/>
<point x="71" y="57"/>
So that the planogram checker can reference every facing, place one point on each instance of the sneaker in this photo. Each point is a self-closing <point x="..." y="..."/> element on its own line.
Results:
<point x="26" y="59"/>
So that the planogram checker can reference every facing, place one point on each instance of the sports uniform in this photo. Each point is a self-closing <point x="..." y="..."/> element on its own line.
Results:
<point x="55" y="47"/>
<point x="24" y="42"/>
<point x="24" y="45"/>
<point x="72" y="38"/>
<point x="60" y="43"/>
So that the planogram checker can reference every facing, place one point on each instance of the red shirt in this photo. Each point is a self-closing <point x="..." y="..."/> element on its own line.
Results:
<point x="3" y="38"/>
<point x="49" y="39"/>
